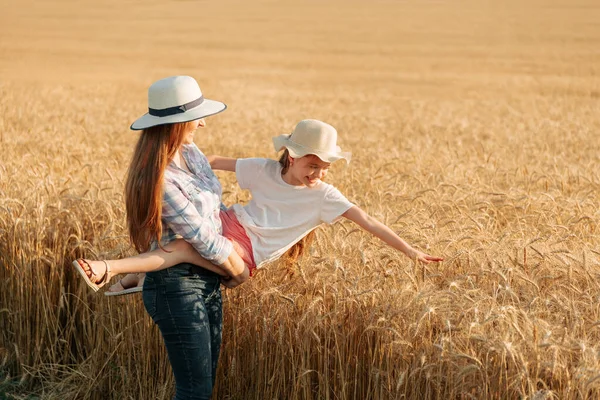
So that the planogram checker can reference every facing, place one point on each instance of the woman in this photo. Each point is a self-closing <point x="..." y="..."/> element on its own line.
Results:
<point x="172" y="192"/>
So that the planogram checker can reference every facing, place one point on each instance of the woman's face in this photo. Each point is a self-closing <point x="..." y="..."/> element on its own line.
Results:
<point x="189" y="135"/>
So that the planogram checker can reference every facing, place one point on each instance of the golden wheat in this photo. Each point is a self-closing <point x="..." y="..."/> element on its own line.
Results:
<point x="474" y="130"/>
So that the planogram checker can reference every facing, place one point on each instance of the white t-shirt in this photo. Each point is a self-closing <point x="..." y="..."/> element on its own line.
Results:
<point x="280" y="214"/>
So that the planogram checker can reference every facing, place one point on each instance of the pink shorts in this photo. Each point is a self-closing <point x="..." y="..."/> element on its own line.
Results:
<point x="235" y="232"/>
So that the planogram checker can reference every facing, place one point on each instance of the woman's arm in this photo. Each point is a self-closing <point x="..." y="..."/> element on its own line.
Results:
<point x="376" y="228"/>
<point x="222" y="163"/>
<point x="186" y="220"/>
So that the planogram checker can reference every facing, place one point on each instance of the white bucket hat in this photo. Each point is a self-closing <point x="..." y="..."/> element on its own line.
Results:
<point x="312" y="137"/>
<point x="176" y="99"/>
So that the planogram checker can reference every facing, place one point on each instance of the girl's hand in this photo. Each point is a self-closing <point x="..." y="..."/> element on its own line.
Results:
<point x="422" y="257"/>
<point x="376" y="228"/>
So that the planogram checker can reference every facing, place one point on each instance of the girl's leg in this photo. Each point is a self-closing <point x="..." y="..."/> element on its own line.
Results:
<point x="127" y="282"/>
<point x="176" y="252"/>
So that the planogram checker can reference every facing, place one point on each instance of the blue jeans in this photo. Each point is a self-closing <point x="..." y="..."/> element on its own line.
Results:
<point x="185" y="302"/>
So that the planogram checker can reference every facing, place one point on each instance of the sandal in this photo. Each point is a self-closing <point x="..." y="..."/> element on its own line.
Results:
<point x="99" y="282"/>
<point x="126" y="290"/>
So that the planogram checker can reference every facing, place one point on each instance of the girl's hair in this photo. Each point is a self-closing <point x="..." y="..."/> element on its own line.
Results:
<point x="154" y="150"/>
<point x="297" y="250"/>
<point x="284" y="160"/>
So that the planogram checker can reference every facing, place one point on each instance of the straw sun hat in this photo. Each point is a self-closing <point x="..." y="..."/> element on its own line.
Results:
<point x="176" y="99"/>
<point x="312" y="137"/>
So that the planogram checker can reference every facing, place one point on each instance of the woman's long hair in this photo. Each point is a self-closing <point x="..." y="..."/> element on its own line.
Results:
<point x="297" y="250"/>
<point x="154" y="150"/>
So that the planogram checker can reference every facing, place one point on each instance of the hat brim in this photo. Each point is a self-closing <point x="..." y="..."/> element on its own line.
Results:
<point x="206" y="109"/>
<point x="296" y="151"/>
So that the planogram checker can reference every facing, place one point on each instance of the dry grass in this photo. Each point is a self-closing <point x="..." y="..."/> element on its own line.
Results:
<point x="474" y="130"/>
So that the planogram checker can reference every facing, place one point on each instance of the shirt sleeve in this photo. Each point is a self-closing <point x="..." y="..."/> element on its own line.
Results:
<point x="185" y="220"/>
<point x="247" y="170"/>
<point x="334" y="205"/>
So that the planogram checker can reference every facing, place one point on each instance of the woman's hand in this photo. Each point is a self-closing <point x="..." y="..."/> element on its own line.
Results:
<point x="236" y="269"/>
<point x="231" y="282"/>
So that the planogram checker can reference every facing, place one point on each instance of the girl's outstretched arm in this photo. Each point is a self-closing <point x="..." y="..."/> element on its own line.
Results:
<point x="376" y="228"/>
<point x="222" y="163"/>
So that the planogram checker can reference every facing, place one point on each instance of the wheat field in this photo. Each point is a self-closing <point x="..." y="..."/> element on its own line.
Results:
<point x="474" y="128"/>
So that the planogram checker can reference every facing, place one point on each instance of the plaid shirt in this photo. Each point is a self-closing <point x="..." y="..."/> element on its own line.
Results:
<point x="191" y="206"/>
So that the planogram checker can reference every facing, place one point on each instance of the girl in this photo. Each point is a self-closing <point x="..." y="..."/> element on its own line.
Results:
<point x="289" y="200"/>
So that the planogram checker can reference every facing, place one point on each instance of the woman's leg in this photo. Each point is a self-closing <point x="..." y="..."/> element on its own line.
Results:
<point x="185" y="303"/>
<point x="214" y="309"/>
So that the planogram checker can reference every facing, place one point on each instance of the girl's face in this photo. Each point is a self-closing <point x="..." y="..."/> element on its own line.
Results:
<point x="306" y="171"/>
<point x="189" y="135"/>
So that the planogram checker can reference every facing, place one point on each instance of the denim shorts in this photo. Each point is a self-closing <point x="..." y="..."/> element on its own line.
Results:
<point x="185" y="302"/>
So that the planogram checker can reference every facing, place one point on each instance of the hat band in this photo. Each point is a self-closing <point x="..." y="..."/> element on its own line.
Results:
<point x="165" y="112"/>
